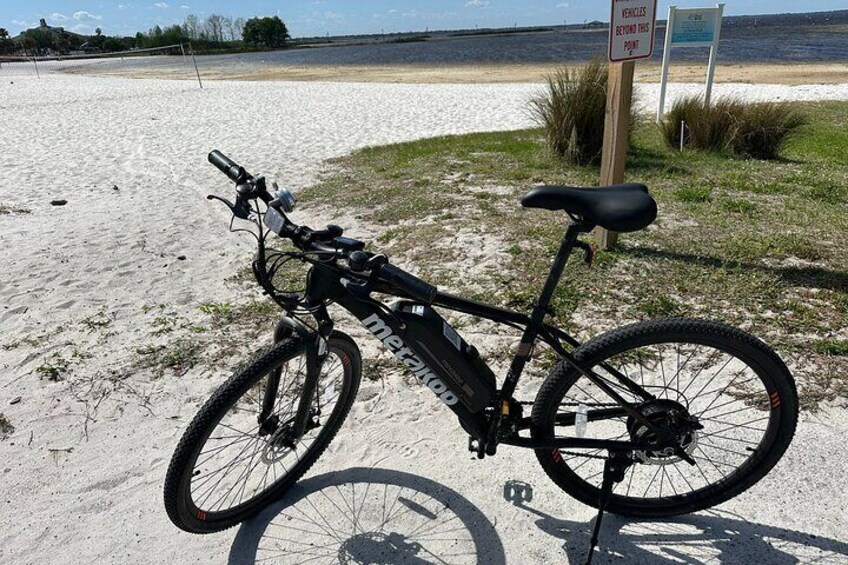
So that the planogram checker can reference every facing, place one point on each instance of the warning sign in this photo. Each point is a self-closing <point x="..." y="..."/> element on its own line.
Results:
<point x="631" y="33"/>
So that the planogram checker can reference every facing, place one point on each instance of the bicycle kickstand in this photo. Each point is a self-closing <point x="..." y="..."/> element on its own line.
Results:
<point x="614" y="469"/>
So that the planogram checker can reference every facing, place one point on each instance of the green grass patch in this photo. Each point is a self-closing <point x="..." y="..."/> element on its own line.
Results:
<point x="661" y="307"/>
<point x="832" y="347"/>
<point x="693" y="194"/>
<point x="53" y="369"/>
<point x="218" y="310"/>
<point x="761" y="244"/>
<point x="97" y="322"/>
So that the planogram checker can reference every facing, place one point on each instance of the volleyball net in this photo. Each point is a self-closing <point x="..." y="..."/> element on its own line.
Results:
<point x="172" y="61"/>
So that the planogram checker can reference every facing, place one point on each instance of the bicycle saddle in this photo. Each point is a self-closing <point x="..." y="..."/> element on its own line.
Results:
<point x="620" y="207"/>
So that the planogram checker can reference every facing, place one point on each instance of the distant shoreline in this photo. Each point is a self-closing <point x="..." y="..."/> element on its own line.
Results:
<point x="647" y="72"/>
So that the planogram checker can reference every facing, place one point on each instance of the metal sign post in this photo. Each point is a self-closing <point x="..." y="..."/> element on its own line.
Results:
<point x="690" y="27"/>
<point x="631" y="37"/>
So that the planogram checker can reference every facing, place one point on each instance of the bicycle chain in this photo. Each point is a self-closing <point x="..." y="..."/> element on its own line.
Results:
<point x="586" y="455"/>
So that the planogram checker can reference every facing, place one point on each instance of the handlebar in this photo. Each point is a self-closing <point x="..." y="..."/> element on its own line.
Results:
<point x="227" y="166"/>
<point x="324" y="241"/>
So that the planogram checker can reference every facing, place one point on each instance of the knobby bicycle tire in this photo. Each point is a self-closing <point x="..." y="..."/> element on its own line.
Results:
<point x="177" y="493"/>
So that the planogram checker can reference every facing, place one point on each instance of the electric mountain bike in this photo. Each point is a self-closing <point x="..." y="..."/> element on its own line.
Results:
<point x="666" y="417"/>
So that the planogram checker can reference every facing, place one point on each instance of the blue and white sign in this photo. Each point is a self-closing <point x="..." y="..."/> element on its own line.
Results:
<point x="690" y="27"/>
<point x="694" y="26"/>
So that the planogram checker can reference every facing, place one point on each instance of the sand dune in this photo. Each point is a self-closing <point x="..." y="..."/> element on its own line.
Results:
<point x="81" y="476"/>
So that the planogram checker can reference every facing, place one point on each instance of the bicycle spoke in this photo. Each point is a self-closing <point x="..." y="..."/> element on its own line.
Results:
<point x="240" y="468"/>
<point x="650" y="484"/>
<point x="716" y="387"/>
<point x="711" y="445"/>
<point x="662" y="369"/>
<point x="694" y="378"/>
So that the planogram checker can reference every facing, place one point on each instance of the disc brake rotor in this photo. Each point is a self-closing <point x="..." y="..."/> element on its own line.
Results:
<point x="282" y="441"/>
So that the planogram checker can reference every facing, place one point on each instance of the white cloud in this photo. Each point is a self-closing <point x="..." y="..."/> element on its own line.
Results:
<point x="57" y="17"/>
<point x="184" y="7"/>
<point x="563" y="5"/>
<point x="477" y="3"/>
<point x="160" y="5"/>
<point x="83" y="16"/>
<point x="83" y="29"/>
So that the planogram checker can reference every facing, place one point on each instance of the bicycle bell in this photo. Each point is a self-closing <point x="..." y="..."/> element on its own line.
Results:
<point x="283" y="198"/>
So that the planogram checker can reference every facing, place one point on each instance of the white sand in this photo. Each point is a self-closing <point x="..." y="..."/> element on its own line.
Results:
<point x="113" y="251"/>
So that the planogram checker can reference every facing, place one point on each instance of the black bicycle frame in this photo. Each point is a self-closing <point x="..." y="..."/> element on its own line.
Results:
<point x="328" y="282"/>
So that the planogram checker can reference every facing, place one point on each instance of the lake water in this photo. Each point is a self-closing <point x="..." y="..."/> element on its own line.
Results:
<point x="739" y="43"/>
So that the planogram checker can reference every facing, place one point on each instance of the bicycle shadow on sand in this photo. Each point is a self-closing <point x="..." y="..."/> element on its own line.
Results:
<point x="707" y="537"/>
<point x="373" y="516"/>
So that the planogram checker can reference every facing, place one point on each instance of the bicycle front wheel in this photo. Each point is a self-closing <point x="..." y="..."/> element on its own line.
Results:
<point x="229" y="465"/>
<point x="737" y="389"/>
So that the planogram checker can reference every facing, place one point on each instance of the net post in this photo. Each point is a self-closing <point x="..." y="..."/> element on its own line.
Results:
<point x="37" y="73"/>
<point x="191" y="49"/>
<point x="182" y="48"/>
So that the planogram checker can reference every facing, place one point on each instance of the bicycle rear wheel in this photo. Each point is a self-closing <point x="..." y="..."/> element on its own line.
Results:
<point x="736" y="387"/>
<point x="228" y="465"/>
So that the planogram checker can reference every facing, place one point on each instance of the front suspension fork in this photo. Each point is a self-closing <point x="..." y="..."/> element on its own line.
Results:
<point x="316" y="353"/>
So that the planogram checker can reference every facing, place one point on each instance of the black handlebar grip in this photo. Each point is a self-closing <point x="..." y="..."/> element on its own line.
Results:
<point x="226" y="165"/>
<point x="410" y="284"/>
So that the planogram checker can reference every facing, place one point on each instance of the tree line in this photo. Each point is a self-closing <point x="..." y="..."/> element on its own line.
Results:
<point x="214" y="33"/>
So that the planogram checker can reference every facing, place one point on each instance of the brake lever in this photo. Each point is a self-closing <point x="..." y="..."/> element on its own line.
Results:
<point x="240" y="209"/>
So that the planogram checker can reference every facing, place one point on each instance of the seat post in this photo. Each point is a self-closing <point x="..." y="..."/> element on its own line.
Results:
<point x="554" y="276"/>
<point x="540" y="309"/>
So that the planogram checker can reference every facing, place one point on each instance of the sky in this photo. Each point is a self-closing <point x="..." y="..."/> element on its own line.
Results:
<point x="307" y="18"/>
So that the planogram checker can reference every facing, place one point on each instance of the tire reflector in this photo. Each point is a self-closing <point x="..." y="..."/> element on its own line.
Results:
<point x="345" y="360"/>
<point x="201" y="515"/>
<point x="775" y="399"/>
<point x="557" y="455"/>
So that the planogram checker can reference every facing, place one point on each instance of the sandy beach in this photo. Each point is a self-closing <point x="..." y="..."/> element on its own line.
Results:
<point x="81" y="475"/>
<point x="646" y="72"/>
<point x="789" y="74"/>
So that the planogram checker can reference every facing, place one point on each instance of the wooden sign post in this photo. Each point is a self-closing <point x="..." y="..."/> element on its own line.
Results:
<point x="616" y="134"/>
<point x="631" y="37"/>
